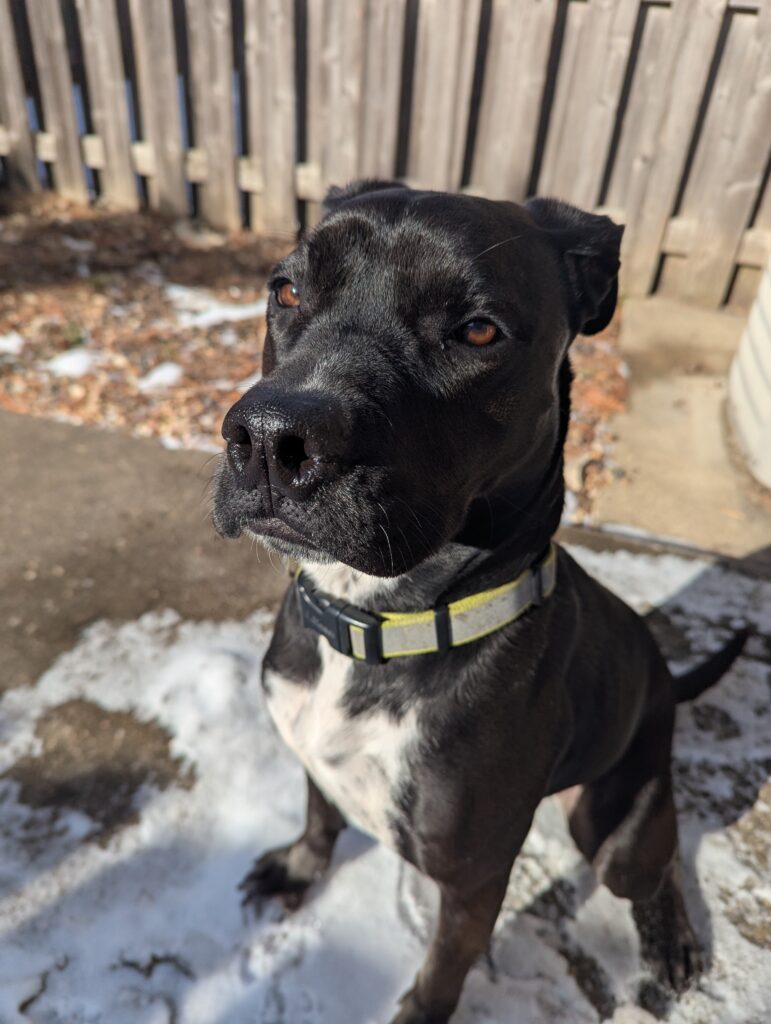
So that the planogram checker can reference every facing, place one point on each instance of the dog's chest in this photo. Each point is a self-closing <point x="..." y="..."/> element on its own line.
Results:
<point x="359" y="762"/>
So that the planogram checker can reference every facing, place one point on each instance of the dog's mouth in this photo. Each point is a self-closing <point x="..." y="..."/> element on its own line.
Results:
<point x="277" y="534"/>
<point x="276" y="529"/>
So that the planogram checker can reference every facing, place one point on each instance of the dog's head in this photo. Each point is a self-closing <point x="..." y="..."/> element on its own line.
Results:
<point x="411" y="366"/>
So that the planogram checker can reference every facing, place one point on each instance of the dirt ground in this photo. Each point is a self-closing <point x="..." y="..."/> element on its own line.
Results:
<point x="102" y="525"/>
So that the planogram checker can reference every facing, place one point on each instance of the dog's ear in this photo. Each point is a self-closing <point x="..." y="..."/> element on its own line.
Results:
<point x="337" y="195"/>
<point x="589" y="245"/>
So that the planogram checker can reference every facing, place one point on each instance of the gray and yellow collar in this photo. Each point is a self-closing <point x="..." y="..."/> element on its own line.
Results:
<point x="376" y="637"/>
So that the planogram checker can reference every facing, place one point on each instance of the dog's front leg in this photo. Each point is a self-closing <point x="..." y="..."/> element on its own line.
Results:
<point x="466" y="919"/>
<point x="289" y="870"/>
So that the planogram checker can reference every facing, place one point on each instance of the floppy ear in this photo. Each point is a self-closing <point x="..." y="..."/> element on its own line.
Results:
<point x="337" y="195"/>
<point x="589" y="245"/>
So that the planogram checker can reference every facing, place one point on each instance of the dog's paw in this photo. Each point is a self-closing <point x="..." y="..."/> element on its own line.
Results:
<point x="679" y="960"/>
<point x="286" y="873"/>
<point x="672" y="952"/>
<point x="410" y="1012"/>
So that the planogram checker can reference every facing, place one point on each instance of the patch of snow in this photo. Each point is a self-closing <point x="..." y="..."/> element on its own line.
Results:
<point x="88" y="919"/>
<point x="79" y="245"/>
<point x="197" y="307"/>
<point x="172" y="443"/>
<point x="75" y="362"/>
<point x="164" y="375"/>
<point x="11" y="343"/>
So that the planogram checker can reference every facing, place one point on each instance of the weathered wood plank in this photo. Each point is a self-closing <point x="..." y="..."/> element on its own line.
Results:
<point x="381" y="88"/>
<point x="55" y="80"/>
<point x="342" y="79"/>
<point x="444" y="69"/>
<point x="152" y="29"/>
<point x="754" y="248"/>
<point x="310" y="171"/>
<point x="211" y="70"/>
<point x="515" y="74"/>
<point x="662" y="121"/>
<point x="20" y="146"/>
<point x="336" y="34"/>
<point x="107" y="96"/>
<point x="272" y="113"/>
<point x="638" y="133"/>
<point x="731" y="157"/>
<point x="591" y="74"/>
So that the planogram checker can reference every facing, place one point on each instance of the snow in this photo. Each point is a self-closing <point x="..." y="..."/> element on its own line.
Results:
<point x="78" y="245"/>
<point x="75" y="916"/>
<point x="75" y="362"/>
<point x="197" y="307"/>
<point x="11" y="343"/>
<point x="164" y="375"/>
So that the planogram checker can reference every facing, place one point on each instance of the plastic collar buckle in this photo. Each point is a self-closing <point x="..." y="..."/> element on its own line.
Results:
<point x="332" y="618"/>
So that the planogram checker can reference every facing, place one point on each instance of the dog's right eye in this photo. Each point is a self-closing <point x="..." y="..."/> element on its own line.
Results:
<point x="479" y="332"/>
<point x="287" y="295"/>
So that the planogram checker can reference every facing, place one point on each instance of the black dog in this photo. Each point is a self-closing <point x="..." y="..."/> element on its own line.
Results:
<point x="405" y="447"/>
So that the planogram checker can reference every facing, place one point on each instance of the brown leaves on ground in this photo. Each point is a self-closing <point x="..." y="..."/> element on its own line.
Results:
<point x="81" y="279"/>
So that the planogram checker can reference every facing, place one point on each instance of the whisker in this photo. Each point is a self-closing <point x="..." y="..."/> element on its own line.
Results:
<point x="495" y="245"/>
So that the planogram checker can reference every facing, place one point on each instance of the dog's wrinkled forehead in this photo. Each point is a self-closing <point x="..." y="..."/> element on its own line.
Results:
<point x="418" y="253"/>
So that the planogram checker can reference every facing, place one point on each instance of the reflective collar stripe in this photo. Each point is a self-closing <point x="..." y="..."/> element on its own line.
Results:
<point x="407" y="633"/>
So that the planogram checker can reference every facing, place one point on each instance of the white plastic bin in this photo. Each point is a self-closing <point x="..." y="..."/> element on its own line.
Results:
<point x="749" y="386"/>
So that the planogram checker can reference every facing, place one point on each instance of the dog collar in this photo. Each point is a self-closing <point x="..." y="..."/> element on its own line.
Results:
<point x="376" y="637"/>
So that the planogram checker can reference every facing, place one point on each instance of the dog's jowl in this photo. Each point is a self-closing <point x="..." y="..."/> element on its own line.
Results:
<point x="439" y="665"/>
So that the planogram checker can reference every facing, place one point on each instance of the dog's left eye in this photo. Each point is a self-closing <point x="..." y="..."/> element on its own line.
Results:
<point x="287" y="294"/>
<point x="479" y="332"/>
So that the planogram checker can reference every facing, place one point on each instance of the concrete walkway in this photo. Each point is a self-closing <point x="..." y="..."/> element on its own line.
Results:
<point x="98" y="525"/>
<point x="681" y="478"/>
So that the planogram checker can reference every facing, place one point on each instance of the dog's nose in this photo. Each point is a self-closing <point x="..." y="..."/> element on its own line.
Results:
<point x="290" y="446"/>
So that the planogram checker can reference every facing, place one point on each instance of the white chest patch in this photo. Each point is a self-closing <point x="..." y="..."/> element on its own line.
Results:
<point x="358" y="763"/>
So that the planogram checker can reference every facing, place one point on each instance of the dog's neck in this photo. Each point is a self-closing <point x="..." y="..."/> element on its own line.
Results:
<point x="505" y="532"/>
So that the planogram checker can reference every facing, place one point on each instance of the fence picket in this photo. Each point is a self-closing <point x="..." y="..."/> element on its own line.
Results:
<point x="107" y="93"/>
<point x="334" y="94"/>
<point x="444" y="68"/>
<point x="515" y="75"/>
<point x="211" y="69"/>
<point x="731" y="158"/>
<point x="663" y="131"/>
<point x="381" y="88"/>
<point x="55" y="80"/>
<point x="152" y="28"/>
<point x="272" y="113"/>
<point x="19" y="147"/>
<point x="586" y="99"/>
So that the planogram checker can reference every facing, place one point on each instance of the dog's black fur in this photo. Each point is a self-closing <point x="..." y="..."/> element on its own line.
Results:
<point x="381" y="439"/>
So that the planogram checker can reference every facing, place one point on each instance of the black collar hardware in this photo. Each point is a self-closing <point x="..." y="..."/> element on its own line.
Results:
<point x="333" y="617"/>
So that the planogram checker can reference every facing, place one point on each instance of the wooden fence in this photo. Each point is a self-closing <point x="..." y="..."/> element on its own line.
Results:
<point x="242" y="112"/>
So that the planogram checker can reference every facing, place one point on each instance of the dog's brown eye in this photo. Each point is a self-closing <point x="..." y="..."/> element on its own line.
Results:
<point x="479" y="332"/>
<point x="288" y="294"/>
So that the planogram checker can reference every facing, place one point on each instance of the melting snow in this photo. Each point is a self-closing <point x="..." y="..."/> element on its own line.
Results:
<point x="75" y="362"/>
<point x="164" y="375"/>
<point x="11" y="343"/>
<point x="197" y="307"/>
<point x="148" y="929"/>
